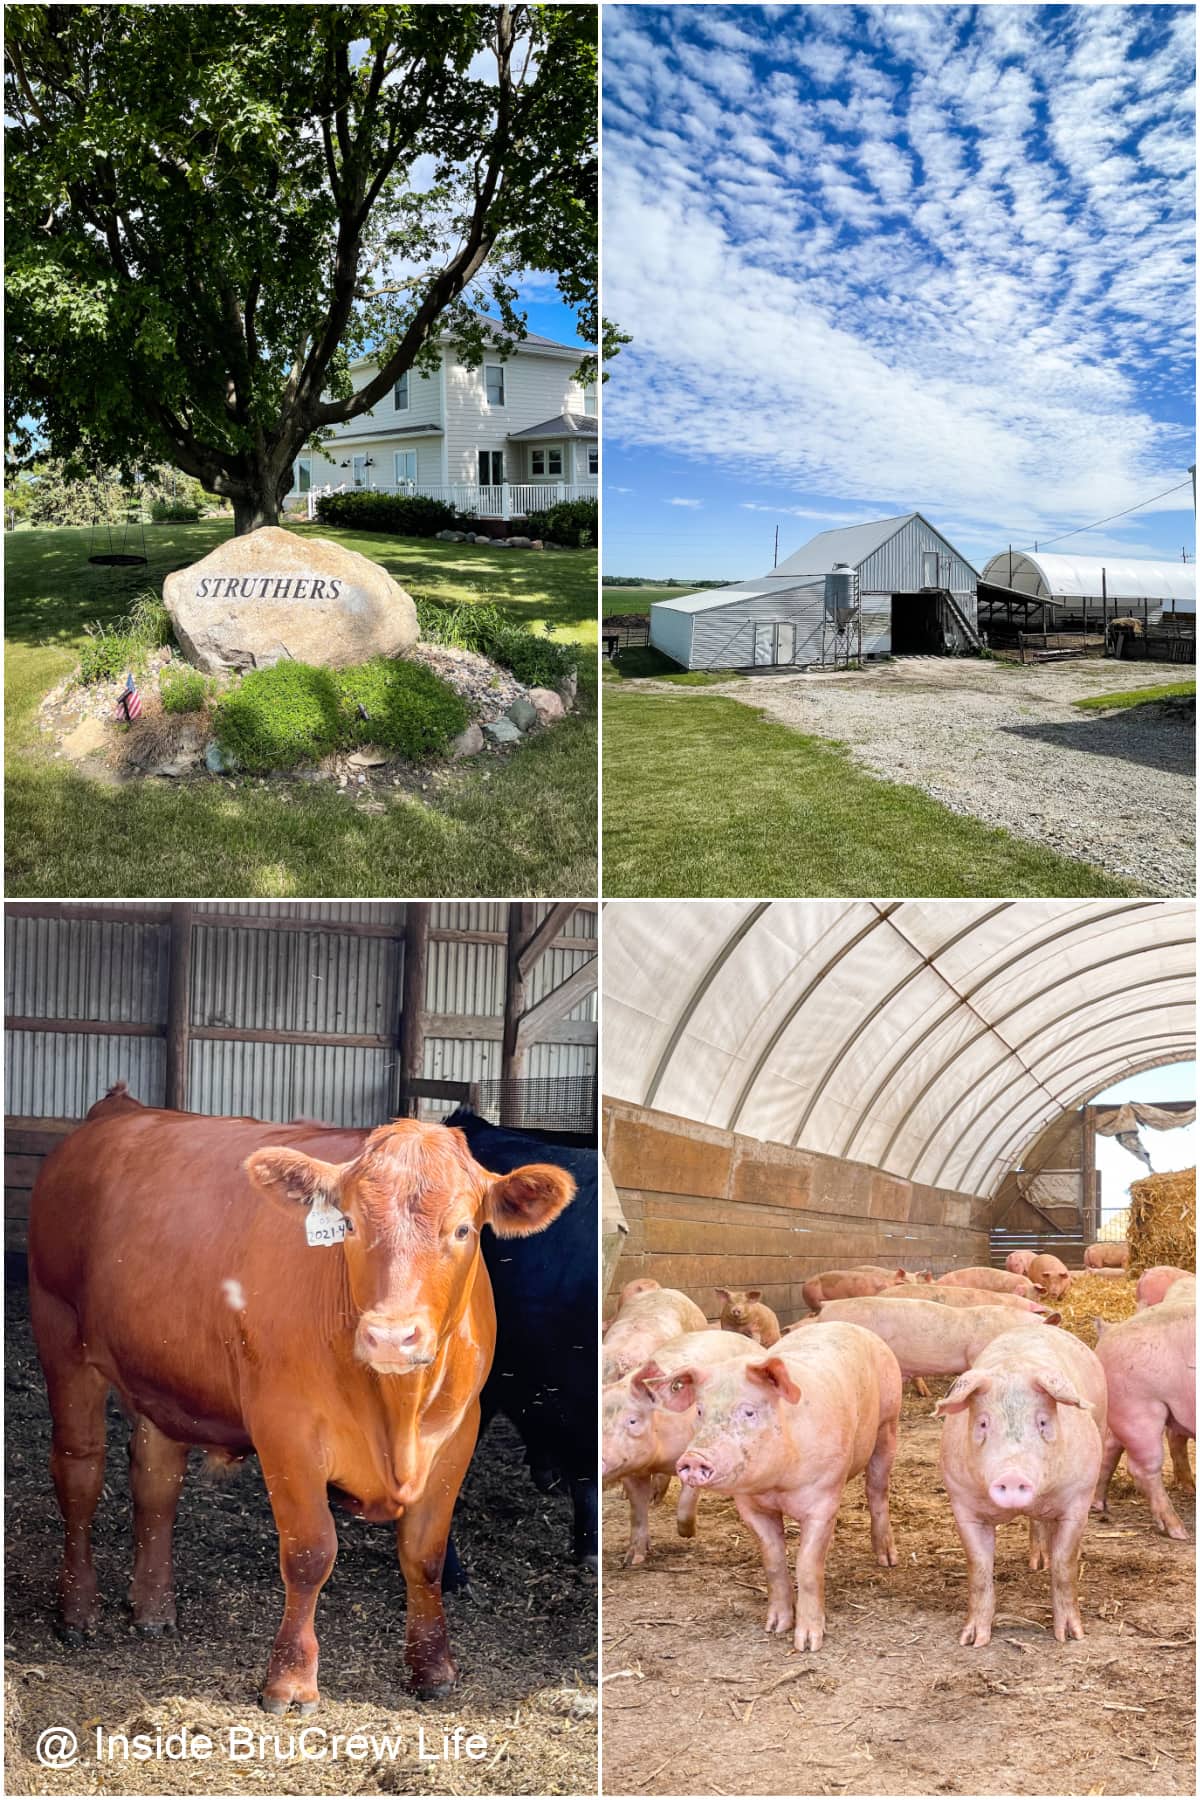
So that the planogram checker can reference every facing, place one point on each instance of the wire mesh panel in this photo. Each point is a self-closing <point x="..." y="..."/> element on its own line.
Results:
<point x="540" y="1103"/>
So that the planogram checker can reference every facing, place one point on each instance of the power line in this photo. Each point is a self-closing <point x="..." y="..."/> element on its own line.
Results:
<point x="1042" y="542"/>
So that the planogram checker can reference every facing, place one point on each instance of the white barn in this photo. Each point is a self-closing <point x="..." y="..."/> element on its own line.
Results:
<point x="915" y="593"/>
<point x="1075" y="587"/>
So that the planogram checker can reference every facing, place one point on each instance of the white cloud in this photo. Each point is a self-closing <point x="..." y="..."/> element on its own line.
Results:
<point x="938" y="256"/>
<point x="678" y="502"/>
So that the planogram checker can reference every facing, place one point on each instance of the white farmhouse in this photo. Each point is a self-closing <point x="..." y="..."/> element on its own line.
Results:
<point x="516" y="435"/>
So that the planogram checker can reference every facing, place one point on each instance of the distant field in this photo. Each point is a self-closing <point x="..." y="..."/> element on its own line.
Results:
<point x="636" y="600"/>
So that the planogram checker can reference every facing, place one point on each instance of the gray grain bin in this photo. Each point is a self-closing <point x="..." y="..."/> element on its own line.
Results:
<point x="839" y="594"/>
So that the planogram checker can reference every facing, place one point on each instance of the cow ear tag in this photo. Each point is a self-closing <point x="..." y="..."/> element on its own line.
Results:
<point x="324" y="1224"/>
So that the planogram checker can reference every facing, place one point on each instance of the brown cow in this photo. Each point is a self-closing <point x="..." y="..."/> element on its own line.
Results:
<point x="171" y="1258"/>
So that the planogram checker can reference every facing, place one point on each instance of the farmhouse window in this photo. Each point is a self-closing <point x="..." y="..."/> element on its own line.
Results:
<point x="493" y="375"/>
<point x="303" y="473"/>
<point x="547" y="462"/>
<point x="491" y="468"/>
<point x="589" y="402"/>
<point x="406" y="468"/>
<point x="360" y="471"/>
<point x="400" y="393"/>
<point x="593" y="459"/>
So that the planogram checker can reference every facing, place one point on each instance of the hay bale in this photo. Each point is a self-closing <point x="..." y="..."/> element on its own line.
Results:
<point x="1090" y="1297"/>
<point x="1162" y="1221"/>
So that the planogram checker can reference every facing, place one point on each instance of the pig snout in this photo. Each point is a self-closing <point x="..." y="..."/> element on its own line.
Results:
<point x="694" y="1469"/>
<point x="1012" y="1489"/>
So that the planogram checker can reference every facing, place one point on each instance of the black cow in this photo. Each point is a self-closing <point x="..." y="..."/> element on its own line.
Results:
<point x="545" y="1376"/>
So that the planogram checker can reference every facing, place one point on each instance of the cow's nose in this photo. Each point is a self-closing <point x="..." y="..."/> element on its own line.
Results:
<point x="1011" y="1491"/>
<point x="406" y="1342"/>
<point x="693" y="1469"/>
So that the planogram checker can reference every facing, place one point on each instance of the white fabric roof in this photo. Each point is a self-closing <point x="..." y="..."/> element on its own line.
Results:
<point x="1049" y="576"/>
<point x="933" y="1039"/>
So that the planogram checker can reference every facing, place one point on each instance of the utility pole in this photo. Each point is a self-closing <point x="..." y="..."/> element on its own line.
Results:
<point x="775" y="564"/>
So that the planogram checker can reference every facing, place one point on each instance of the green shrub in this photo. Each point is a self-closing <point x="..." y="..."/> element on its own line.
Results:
<point x="279" y="717"/>
<point x="112" y="650"/>
<point x="535" y="661"/>
<point x="573" y="522"/>
<point x="408" y="708"/>
<point x="408" y="515"/>
<point x="173" y="512"/>
<point x="183" y="690"/>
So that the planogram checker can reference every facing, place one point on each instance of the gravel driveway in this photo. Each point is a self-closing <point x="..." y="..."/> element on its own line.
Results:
<point x="1004" y="744"/>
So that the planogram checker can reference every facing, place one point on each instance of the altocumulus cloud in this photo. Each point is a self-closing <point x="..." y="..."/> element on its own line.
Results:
<point x="942" y="254"/>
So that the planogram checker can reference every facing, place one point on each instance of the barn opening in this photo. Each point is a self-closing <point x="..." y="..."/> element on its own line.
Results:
<point x="917" y="626"/>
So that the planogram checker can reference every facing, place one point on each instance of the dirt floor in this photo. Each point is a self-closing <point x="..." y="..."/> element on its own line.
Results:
<point x="524" y="1637"/>
<point x="1005" y="744"/>
<point x="697" y="1700"/>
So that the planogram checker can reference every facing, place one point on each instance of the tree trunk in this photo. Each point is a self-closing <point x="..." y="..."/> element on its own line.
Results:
<point x="248" y="515"/>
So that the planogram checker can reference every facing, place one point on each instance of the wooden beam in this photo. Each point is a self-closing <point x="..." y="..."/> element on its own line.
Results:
<point x="534" y="1026"/>
<point x="512" y="1056"/>
<point x="179" y="1006"/>
<point x="411" y="1060"/>
<point x="541" y="939"/>
<point x="87" y="1027"/>
<point x="488" y="1028"/>
<point x="338" y="1040"/>
<point x="97" y="912"/>
<point x="429" y="1088"/>
<point x="335" y="927"/>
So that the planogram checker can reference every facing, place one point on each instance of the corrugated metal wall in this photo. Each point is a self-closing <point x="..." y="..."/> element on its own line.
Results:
<point x="723" y="638"/>
<point x="897" y="566"/>
<point x="284" y="979"/>
<point x="671" y="632"/>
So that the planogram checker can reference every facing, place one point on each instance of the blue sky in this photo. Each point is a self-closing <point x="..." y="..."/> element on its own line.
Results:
<point x="1167" y="1149"/>
<point x="876" y="258"/>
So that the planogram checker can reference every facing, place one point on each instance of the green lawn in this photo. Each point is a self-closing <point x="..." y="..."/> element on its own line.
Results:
<point x="526" y="826"/>
<point x="640" y="663"/>
<point x="705" y="796"/>
<point x="1168" y="690"/>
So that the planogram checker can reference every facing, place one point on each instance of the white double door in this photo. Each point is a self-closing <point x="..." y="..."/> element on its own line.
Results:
<point x="774" y="642"/>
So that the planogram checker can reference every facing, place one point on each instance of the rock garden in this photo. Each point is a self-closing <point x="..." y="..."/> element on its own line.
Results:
<point x="287" y="659"/>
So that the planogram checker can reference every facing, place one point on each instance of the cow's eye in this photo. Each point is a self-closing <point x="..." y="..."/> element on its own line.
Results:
<point x="463" y="1232"/>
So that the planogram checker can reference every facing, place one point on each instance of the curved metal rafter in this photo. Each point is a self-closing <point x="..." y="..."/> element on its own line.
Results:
<point x="697" y="994"/>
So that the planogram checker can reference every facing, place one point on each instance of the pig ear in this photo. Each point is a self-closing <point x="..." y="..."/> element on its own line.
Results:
<point x="721" y="1293"/>
<point x="288" y="1176"/>
<point x="1057" y="1388"/>
<point x="774" y="1373"/>
<point x="974" y="1381"/>
<point x="1051" y="1318"/>
<point x="754" y="1293"/>
<point x="528" y="1199"/>
<point x="641" y="1380"/>
<point x="675" y="1392"/>
<point x="901" y="1274"/>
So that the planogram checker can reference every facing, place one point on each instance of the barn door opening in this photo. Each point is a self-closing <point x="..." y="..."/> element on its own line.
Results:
<point x="764" y="644"/>
<point x="916" y="626"/>
<point x="785" y="642"/>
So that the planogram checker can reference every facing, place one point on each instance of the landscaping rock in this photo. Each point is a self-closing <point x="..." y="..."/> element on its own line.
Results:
<point x="88" y="737"/>
<point x="567" y="689"/>
<point x="367" y="759"/>
<point x="467" y="743"/>
<point x="502" y="731"/>
<point x="273" y="594"/>
<point x="547" y="705"/>
<point x="522" y="714"/>
<point x="537" y="544"/>
<point x="520" y="543"/>
<point x="216" y="762"/>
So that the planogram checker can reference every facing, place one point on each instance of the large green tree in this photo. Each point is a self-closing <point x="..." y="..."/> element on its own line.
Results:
<point x="211" y="210"/>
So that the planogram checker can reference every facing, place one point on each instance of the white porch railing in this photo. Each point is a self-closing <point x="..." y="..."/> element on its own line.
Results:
<point x="509" y="500"/>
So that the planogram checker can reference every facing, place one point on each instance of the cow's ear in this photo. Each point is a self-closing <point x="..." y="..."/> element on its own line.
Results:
<point x="527" y="1200"/>
<point x="288" y="1176"/>
<point x="774" y="1373"/>
<point x="972" y="1382"/>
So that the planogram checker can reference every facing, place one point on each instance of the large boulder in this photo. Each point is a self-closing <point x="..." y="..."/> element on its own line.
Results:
<point x="274" y="594"/>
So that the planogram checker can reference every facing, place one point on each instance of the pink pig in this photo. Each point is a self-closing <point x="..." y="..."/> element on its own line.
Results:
<point x="1155" y="1284"/>
<point x="848" y="1284"/>
<point x="1017" y="1261"/>
<point x="644" y="1284"/>
<point x="640" y="1440"/>
<point x="1150" y="1363"/>
<point x="1002" y="1280"/>
<point x="966" y="1296"/>
<point x="1051" y="1277"/>
<point x="645" y="1321"/>
<point x="743" y="1311"/>
<point x="925" y="1339"/>
<point x="1106" y="1256"/>
<point x="783" y="1434"/>
<point x="1024" y="1435"/>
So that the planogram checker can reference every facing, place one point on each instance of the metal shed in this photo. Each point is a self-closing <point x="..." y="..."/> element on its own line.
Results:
<point x="914" y="592"/>
<point x="350" y="1013"/>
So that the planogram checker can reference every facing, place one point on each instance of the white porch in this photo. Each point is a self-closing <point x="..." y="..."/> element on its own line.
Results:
<point x="508" y="500"/>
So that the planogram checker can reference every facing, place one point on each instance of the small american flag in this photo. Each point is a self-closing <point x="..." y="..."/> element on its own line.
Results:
<point x="129" y="706"/>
